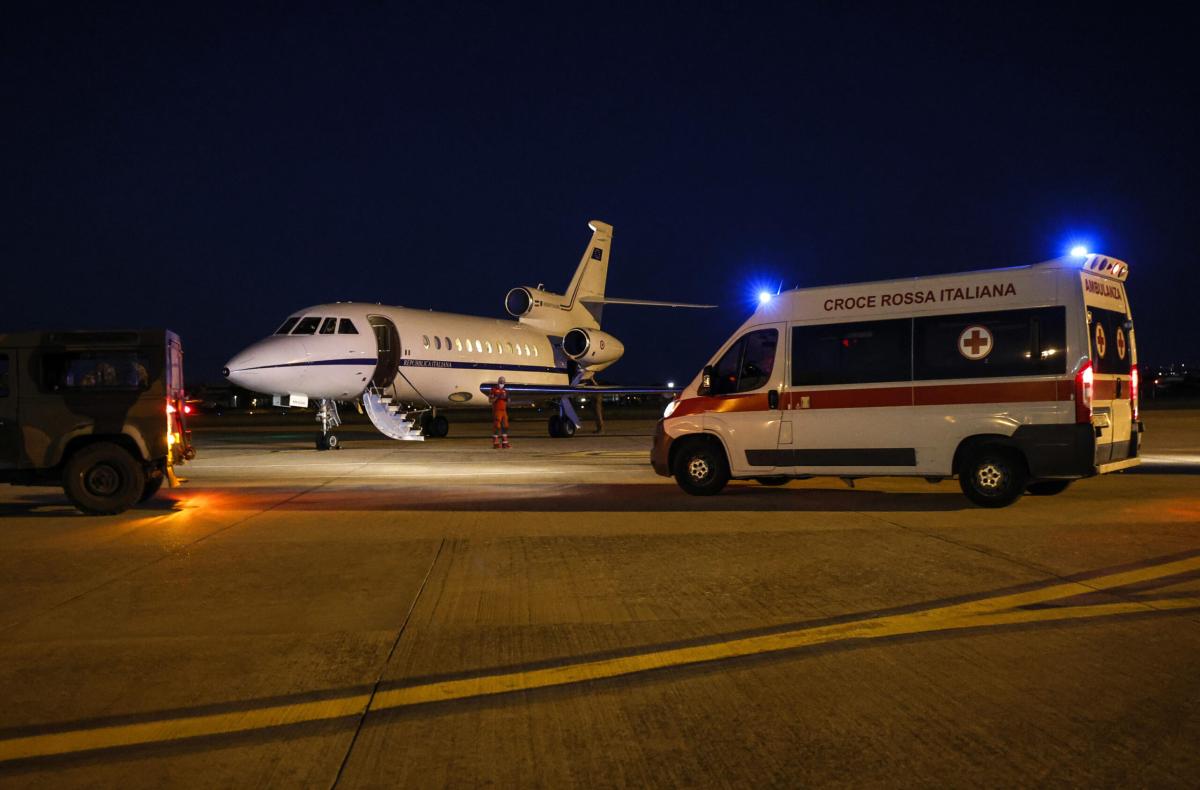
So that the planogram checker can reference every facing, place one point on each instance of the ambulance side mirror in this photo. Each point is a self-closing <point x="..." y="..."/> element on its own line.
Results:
<point x="705" y="381"/>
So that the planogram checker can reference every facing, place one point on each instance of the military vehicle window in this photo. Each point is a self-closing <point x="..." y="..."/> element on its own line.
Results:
<point x="346" y="327"/>
<point x="3" y="375"/>
<point x="852" y="353"/>
<point x="328" y="326"/>
<point x="287" y="325"/>
<point x="95" y="370"/>
<point x="307" y="326"/>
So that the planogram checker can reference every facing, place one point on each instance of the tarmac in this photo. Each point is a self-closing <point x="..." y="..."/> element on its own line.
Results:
<point x="442" y="613"/>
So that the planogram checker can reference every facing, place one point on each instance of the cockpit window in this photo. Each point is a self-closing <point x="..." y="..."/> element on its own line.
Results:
<point x="346" y="327"/>
<point x="307" y="326"/>
<point x="328" y="326"/>
<point x="287" y="325"/>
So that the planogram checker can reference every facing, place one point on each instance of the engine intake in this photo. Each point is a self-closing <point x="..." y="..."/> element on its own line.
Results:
<point x="518" y="302"/>
<point x="592" y="348"/>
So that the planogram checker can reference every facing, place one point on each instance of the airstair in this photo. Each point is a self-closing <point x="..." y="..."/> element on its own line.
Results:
<point x="387" y="417"/>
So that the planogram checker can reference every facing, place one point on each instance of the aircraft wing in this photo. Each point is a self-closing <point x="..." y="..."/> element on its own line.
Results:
<point x="553" y="391"/>
<point x="642" y="302"/>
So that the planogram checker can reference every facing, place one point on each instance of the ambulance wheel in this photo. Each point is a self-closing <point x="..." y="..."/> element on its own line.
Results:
<point x="439" y="427"/>
<point x="151" y="487"/>
<point x="1047" y="487"/>
<point x="701" y="469"/>
<point x="103" y="479"/>
<point x="992" y="476"/>
<point x="772" y="481"/>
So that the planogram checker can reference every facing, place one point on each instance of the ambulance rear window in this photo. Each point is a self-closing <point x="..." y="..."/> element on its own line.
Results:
<point x="1110" y="335"/>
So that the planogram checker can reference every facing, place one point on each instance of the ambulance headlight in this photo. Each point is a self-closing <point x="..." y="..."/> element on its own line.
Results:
<point x="671" y="407"/>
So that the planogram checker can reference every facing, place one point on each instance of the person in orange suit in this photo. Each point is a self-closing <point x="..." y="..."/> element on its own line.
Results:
<point x="498" y="397"/>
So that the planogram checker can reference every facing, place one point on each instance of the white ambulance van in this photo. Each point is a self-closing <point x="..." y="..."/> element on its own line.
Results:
<point x="1013" y="380"/>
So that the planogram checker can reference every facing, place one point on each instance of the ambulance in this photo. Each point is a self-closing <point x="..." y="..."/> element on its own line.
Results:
<point x="1016" y="380"/>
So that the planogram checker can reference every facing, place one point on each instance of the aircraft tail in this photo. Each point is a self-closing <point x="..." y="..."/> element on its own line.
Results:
<point x="587" y="286"/>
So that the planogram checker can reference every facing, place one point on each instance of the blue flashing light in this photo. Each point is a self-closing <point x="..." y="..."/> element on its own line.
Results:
<point x="764" y="297"/>
<point x="1079" y="251"/>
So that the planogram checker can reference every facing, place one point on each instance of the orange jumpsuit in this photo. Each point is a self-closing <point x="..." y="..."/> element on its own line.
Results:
<point x="499" y="400"/>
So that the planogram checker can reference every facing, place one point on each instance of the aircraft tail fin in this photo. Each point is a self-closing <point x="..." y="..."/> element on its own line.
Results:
<point x="587" y="286"/>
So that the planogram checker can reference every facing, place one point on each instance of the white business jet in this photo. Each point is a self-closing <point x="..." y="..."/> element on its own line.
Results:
<point x="406" y="364"/>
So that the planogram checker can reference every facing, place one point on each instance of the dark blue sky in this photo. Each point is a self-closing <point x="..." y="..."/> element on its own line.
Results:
<point x="213" y="167"/>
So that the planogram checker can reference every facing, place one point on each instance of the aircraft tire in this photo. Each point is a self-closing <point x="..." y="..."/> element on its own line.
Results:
<point x="555" y="426"/>
<point x="331" y="442"/>
<point x="103" y="479"/>
<point x="567" y="427"/>
<point x="439" y="427"/>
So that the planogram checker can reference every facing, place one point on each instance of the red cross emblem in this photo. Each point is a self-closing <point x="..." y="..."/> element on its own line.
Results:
<point x="1120" y="343"/>
<point x="975" y="342"/>
<point x="1101" y="341"/>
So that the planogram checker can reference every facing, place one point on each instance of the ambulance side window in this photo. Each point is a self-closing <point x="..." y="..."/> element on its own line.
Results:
<point x="1111" y="341"/>
<point x="747" y="364"/>
<point x="852" y="353"/>
<point x="999" y="343"/>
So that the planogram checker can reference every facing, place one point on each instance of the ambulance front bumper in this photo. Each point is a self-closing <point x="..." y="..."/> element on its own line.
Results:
<point x="660" y="452"/>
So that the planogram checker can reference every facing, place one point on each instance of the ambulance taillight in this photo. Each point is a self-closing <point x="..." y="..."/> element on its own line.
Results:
<point x="1134" y="380"/>
<point x="1084" y="380"/>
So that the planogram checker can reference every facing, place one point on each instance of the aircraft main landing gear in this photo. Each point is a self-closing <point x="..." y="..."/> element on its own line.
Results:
<point x="327" y="415"/>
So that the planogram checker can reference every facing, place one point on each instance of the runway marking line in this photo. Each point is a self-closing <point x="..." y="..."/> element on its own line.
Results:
<point x="1000" y="610"/>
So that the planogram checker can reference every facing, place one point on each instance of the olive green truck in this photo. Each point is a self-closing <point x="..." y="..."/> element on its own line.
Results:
<point x="100" y="413"/>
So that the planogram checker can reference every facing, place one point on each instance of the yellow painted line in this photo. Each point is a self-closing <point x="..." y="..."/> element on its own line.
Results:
<point x="89" y="739"/>
<point x="989" y="612"/>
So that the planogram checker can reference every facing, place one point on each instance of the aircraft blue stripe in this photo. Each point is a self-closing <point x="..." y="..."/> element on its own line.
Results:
<point x="446" y="363"/>
<point x="354" y="361"/>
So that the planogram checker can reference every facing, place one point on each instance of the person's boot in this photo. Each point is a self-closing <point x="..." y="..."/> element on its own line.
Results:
<point x="504" y="443"/>
<point x="495" y="442"/>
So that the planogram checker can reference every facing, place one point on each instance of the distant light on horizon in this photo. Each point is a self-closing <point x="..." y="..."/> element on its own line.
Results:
<point x="670" y="385"/>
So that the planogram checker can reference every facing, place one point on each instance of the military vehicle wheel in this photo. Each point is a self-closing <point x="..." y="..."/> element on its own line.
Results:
<point x="103" y="479"/>
<point x="1047" y="487"/>
<point x="992" y="476"/>
<point x="701" y="469"/>
<point x="151" y="488"/>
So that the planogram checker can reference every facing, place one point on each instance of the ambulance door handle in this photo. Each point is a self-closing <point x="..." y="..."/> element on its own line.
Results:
<point x="773" y="400"/>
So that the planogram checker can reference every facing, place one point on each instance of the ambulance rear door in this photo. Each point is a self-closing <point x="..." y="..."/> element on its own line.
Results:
<point x="1112" y="352"/>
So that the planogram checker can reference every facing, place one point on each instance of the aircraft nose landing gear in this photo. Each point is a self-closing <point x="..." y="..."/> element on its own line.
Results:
<point x="328" y="416"/>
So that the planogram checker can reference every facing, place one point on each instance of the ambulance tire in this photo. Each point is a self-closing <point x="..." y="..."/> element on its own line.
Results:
<point x="1047" y="487"/>
<point x="103" y="479"/>
<point x="992" y="476"/>
<point x="701" y="469"/>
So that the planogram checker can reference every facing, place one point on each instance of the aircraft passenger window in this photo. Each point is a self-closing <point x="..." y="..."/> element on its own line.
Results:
<point x="425" y="340"/>
<point x="478" y="346"/>
<point x="457" y="344"/>
<point x="346" y="327"/>
<point x="518" y="349"/>
<point x="527" y="350"/>
<point x="535" y="351"/>
<point x="328" y="326"/>
<point x="307" y="326"/>
<point x="510" y="348"/>
<point x="437" y="342"/>
<point x="288" y="325"/>
<point x="447" y="344"/>
<point x="3" y="375"/>
<point x="489" y="346"/>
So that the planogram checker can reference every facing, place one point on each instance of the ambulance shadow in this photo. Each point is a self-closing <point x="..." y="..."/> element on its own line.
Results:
<point x="1164" y="469"/>
<point x="616" y="498"/>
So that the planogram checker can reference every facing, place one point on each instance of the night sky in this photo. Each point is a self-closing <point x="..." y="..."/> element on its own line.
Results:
<point x="212" y="168"/>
